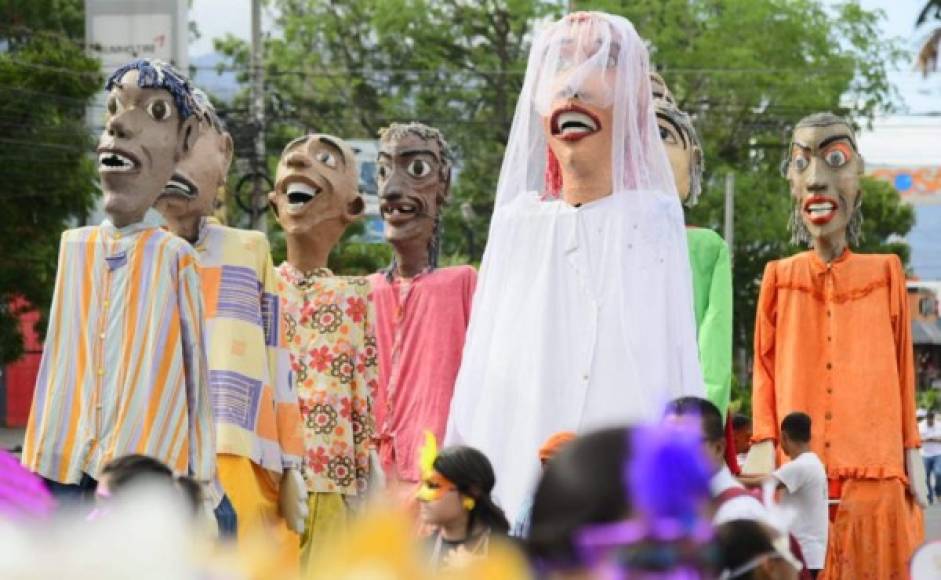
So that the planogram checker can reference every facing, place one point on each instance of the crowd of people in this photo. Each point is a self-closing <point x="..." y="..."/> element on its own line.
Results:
<point x="289" y="418"/>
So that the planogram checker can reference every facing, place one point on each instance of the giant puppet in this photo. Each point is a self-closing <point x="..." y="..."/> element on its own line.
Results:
<point x="123" y="367"/>
<point x="833" y="339"/>
<point x="708" y="252"/>
<point x="258" y="425"/>
<point x="421" y="311"/>
<point x="583" y="314"/>
<point x="327" y="325"/>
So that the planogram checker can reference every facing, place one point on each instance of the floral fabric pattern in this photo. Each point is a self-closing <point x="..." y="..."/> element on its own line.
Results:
<point x="327" y="324"/>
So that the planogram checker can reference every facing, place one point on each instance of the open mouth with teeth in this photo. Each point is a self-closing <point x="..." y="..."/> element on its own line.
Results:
<point x="399" y="212"/>
<point x="299" y="194"/>
<point x="820" y="209"/>
<point x="180" y="186"/>
<point x="573" y="123"/>
<point x="115" y="161"/>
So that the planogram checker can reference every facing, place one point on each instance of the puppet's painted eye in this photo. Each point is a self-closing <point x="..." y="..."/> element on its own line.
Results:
<point x="112" y="105"/>
<point x="800" y="161"/>
<point x="419" y="168"/>
<point x="667" y="136"/>
<point x="382" y="172"/>
<point x="159" y="109"/>
<point x="837" y="155"/>
<point x="327" y="159"/>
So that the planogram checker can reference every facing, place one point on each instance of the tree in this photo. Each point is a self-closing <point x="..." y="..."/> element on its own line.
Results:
<point x="46" y="175"/>
<point x="927" y="59"/>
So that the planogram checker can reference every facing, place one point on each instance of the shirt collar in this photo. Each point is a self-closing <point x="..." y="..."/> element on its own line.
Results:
<point x="117" y="233"/>
<point x="301" y="279"/>
<point x="204" y="223"/>
<point x="820" y="265"/>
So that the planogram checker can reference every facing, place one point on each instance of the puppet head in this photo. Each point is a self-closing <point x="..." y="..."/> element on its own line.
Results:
<point x="680" y="140"/>
<point x="149" y="128"/>
<point x="823" y="168"/>
<point x="195" y="188"/>
<point x="585" y="125"/>
<point x="317" y="189"/>
<point x="414" y="179"/>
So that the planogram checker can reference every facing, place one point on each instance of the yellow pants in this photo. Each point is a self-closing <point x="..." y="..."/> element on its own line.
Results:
<point x="328" y="517"/>
<point x="254" y="495"/>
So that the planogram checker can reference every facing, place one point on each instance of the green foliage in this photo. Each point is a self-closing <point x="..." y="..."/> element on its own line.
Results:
<point x="46" y="176"/>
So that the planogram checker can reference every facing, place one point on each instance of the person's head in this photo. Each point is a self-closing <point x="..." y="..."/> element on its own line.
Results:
<point x="752" y="551"/>
<point x="681" y="141"/>
<point x="742" y="432"/>
<point x="149" y="128"/>
<point x="609" y="495"/>
<point x="414" y="181"/>
<point x="457" y="488"/>
<point x="795" y="433"/>
<point x="129" y="472"/>
<point x="195" y="188"/>
<point x="555" y="443"/>
<point x="316" y="190"/>
<point x="704" y="415"/>
<point x="823" y="169"/>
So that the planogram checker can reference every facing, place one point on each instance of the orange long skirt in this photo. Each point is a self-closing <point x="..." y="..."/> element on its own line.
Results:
<point x="878" y="526"/>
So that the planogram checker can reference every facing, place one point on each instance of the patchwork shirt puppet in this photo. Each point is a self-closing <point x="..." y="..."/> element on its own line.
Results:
<point x="833" y="340"/>
<point x="422" y="311"/>
<point x="258" y="424"/>
<point x="708" y="252"/>
<point x="124" y="367"/>
<point x="583" y="315"/>
<point x="327" y="325"/>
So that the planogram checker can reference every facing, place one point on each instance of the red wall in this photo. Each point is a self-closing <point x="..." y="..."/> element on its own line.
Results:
<point x="21" y="375"/>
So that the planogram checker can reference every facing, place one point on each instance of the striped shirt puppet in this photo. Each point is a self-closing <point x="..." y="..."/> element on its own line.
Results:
<point x="124" y="366"/>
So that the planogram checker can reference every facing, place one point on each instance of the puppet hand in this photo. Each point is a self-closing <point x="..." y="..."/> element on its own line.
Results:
<point x="292" y="499"/>
<point x="917" y="484"/>
<point x="760" y="458"/>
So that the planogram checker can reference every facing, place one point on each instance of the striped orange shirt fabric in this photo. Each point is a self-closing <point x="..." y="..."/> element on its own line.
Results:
<point x="124" y="364"/>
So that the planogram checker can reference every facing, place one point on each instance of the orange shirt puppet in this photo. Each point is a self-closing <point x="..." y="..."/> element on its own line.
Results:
<point x="832" y="339"/>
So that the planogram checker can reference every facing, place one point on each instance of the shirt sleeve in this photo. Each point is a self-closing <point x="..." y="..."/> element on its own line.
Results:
<point x="901" y="321"/>
<point x="793" y="475"/>
<point x="764" y="416"/>
<point x="287" y="410"/>
<point x="715" y="333"/>
<point x="202" y="447"/>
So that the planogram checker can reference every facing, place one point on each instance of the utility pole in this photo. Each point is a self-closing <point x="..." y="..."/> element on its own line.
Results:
<point x="259" y="165"/>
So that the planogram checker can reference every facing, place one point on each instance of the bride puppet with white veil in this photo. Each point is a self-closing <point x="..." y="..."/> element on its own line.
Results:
<point x="583" y="312"/>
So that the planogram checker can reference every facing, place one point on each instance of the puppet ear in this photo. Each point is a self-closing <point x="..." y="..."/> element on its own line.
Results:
<point x="228" y="149"/>
<point x="187" y="135"/>
<point x="272" y="204"/>
<point x="355" y="208"/>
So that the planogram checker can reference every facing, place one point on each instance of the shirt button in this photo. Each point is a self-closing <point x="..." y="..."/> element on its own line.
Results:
<point x="101" y="336"/>
<point x="828" y="416"/>
<point x="827" y="444"/>
<point x="106" y="302"/>
<point x="829" y="389"/>
<point x="829" y="366"/>
<point x="585" y="377"/>
<point x="101" y="372"/>
<point x="828" y="313"/>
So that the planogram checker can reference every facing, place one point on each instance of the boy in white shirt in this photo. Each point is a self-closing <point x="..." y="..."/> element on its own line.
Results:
<point x="804" y="481"/>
